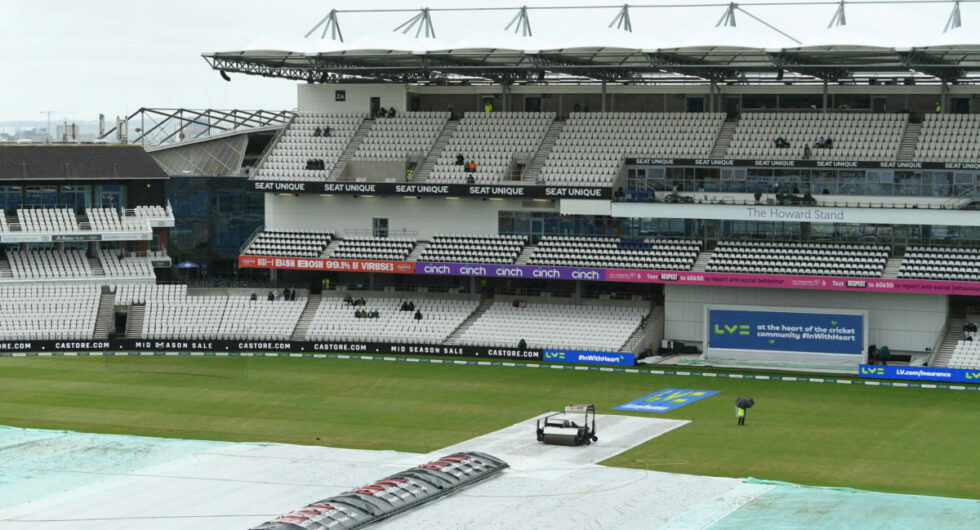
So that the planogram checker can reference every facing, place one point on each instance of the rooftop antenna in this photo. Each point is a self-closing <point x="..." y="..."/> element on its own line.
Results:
<point x="424" y="23"/>
<point x="523" y="23"/>
<point x="840" y="19"/>
<point x="329" y="23"/>
<point x="622" y="20"/>
<point x="728" y="19"/>
<point x="954" y="17"/>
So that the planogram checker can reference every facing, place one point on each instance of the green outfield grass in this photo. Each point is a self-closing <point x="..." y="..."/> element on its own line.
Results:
<point x="903" y="440"/>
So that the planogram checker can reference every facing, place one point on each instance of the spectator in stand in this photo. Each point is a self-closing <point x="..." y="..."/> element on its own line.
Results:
<point x="292" y="295"/>
<point x="470" y="179"/>
<point x="317" y="132"/>
<point x="418" y="314"/>
<point x="271" y="297"/>
<point x="806" y="152"/>
<point x="781" y="143"/>
<point x="488" y="107"/>
<point x="405" y="306"/>
<point x="382" y="113"/>
<point x="391" y="112"/>
<point x="472" y="166"/>
<point x="253" y="298"/>
<point x="327" y="131"/>
<point x="460" y="160"/>
<point x="522" y="345"/>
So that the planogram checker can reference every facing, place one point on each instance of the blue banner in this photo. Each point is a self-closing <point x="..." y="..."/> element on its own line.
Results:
<point x="785" y="331"/>
<point x="589" y="357"/>
<point x="666" y="400"/>
<point x="920" y="373"/>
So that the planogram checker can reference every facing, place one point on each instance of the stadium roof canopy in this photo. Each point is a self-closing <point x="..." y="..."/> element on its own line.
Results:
<point x="727" y="52"/>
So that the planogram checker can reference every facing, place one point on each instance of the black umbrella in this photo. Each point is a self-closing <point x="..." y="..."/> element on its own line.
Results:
<point x="744" y="402"/>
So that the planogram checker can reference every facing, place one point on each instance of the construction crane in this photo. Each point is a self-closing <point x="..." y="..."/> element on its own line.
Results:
<point x="48" y="130"/>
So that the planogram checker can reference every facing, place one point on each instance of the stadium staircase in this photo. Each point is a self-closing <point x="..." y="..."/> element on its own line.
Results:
<point x="105" y="321"/>
<point x="425" y="168"/>
<point x="633" y="342"/>
<point x="454" y="337"/>
<point x="953" y="333"/>
<point x="330" y="248"/>
<point x="701" y="264"/>
<point x="417" y="251"/>
<point x="892" y="267"/>
<point x="525" y="255"/>
<point x="910" y="139"/>
<point x="134" y="322"/>
<point x="96" y="266"/>
<point x="720" y="149"/>
<point x="533" y="170"/>
<point x="355" y="142"/>
<point x="5" y="271"/>
<point x="303" y="325"/>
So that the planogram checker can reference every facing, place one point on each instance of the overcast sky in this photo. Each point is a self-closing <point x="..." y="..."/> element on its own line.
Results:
<point x="114" y="56"/>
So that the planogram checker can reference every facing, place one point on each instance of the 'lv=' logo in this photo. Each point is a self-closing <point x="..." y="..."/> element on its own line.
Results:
<point x="741" y="329"/>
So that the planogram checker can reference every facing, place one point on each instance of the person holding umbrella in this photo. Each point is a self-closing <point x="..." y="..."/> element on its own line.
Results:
<point x="742" y="404"/>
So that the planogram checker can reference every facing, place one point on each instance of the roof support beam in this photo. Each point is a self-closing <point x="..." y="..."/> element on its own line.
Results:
<point x="523" y="23"/>
<point x="622" y="19"/>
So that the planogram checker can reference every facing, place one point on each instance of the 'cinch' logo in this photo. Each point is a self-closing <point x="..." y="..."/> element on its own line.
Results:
<point x="741" y="329"/>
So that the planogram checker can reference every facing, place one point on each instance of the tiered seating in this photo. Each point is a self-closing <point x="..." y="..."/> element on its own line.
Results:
<point x="219" y="317"/>
<point x="104" y="219"/>
<point x="614" y="252"/>
<point x="142" y="214"/>
<point x="48" y="263"/>
<point x="47" y="220"/>
<point x="194" y="317"/>
<point x="116" y="263"/>
<point x="260" y="319"/>
<point x="581" y="327"/>
<point x="592" y="145"/>
<point x="854" y="136"/>
<point x="949" y="138"/>
<point x="334" y="320"/>
<point x="966" y="355"/>
<point x="298" y="144"/>
<point x="48" y="312"/>
<point x="941" y="263"/>
<point x="469" y="248"/>
<point x="3" y="222"/>
<point x="381" y="248"/>
<point x="132" y="294"/>
<point x="294" y="243"/>
<point x="491" y="140"/>
<point x="819" y="259"/>
<point x="407" y="134"/>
